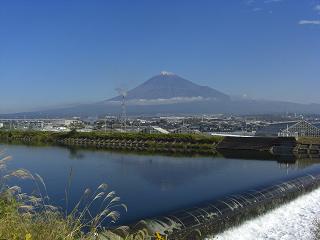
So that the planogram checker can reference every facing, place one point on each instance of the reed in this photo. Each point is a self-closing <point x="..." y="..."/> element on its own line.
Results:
<point x="32" y="217"/>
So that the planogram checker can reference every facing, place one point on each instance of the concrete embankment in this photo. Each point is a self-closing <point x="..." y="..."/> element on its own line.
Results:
<point x="180" y="143"/>
<point x="274" y="145"/>
<point x="258" y="144"/>
<point x="142" y="145"/>
<point x="219" y="215"/>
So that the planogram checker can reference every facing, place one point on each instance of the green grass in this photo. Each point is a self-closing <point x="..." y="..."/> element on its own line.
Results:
<point x="309" y="140"/>
<point x="49" y="137"/>
<point x="39" y="226"/>
<point x="51" y="225"/>
<point x="155" y="143"/>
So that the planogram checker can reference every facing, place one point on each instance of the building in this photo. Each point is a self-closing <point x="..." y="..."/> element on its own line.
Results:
<point x="301" y="129"/>
<point x="291" y="129"/>
<point x="68" y="122"/>
<point x="182" y="129"/>
<point x="273" y="129"/>
<point x="154" y="129"/>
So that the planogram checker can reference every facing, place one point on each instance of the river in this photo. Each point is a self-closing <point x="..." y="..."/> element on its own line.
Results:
<point x="149" y="185"/>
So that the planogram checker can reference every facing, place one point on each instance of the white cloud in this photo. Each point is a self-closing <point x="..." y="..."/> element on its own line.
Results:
<point x="257" y="9"/>
<point x="309" y="22"/>
<point x="250" y="2"/>
<point x="317" y="8"/>
<point x="259" y="5"/>
<point x="161" y="101"/>
<point x="272" y="1"/>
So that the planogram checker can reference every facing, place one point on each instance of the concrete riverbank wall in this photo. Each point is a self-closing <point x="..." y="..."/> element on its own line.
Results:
<point x="274" y="145"/>
<point x="261" y="144"/>
<point x="168" y="143"/>
<point x="214" y="217"/>
<point x="143" y="145"/>
<point x="257" y="143"/>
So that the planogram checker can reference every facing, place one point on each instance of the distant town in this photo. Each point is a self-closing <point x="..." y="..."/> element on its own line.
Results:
<point x="285" y="125"/>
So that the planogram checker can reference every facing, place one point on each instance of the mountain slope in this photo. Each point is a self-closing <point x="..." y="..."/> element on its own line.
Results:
<point x="196" y="107"/>
<point x="169" y="86"/>
<point x="168" y="93"/>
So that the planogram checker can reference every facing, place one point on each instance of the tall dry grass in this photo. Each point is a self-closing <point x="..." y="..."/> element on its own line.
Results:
<point x="32" y="217"/>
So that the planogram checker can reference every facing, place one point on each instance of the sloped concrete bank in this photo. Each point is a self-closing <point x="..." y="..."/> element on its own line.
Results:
<point x="215" y="217"/>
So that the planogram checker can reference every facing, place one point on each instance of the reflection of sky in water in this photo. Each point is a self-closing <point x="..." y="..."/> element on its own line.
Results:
<point x="149" y="185"/>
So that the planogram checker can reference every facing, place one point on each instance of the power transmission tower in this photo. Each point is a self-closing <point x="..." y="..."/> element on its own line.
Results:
<point x="123" y="118"/>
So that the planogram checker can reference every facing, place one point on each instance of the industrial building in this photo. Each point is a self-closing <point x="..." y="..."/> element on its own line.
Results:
<point x="154" y="129"/>
<point x="291" y="129"/>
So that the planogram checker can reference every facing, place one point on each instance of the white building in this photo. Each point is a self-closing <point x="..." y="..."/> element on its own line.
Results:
<point x="154" y="129"/>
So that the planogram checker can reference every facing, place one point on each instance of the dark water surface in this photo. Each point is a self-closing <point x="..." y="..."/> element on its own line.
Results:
<point x="149" y="184"/>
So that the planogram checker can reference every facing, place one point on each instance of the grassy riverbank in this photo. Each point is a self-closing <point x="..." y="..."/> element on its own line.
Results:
<point x="191" y="143"/>
<point x="39" y="226"/>
<point x="52" y="225"/>
<point x="16" y="224"/>
<point x="49" y="137"/>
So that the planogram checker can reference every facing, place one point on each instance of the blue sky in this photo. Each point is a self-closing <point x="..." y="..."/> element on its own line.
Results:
<point x="70" y="51"/>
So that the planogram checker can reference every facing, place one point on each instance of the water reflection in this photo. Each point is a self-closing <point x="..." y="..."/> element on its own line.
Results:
<point x="170" y="172"/>
<point x="290" y="159"/>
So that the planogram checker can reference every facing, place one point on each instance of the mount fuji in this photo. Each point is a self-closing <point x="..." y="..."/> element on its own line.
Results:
<point x="168" y="93"/>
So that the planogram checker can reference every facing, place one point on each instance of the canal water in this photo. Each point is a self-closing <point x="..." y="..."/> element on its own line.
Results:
<point x="150" y="185"/>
